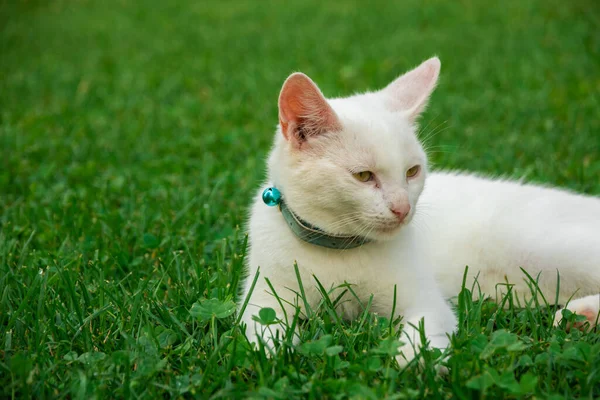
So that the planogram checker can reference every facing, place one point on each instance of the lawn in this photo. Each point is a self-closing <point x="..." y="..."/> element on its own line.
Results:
<point x="133" y="136"/>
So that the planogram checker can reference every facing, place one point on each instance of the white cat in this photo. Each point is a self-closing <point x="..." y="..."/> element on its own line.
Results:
<point x="360" y="206"/>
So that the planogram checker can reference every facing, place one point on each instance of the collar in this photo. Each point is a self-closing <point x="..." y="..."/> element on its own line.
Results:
<point x="307" y="232"/>
<point x="313" y="235"/>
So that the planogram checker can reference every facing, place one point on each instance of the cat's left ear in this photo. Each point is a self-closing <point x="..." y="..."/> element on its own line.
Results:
<point x="409" y="93"/>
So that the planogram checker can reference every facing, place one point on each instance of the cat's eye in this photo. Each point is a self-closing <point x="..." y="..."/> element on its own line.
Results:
<point x="363" y="176"/>
<point x="413" y="171"/>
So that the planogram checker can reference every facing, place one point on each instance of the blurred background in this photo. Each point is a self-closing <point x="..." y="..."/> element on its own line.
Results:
<point x="163" y="105"/>
<point x="133" y="131"/>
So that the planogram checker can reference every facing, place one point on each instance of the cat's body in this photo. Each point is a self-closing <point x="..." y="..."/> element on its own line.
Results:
<point x="354" y="166"/>
<point x="497" y="226"/>
<point x="372" y="269"/>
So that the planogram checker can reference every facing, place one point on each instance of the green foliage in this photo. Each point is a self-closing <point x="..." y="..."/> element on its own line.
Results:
<point x="132" y="137"/>
<point x="266" y="316"/>
<point x="207" y="309"/>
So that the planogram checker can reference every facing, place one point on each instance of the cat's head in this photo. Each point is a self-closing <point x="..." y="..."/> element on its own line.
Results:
<point x="353" y="165"/>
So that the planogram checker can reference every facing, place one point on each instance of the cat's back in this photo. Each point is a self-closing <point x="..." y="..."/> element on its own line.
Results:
<point x="474" y="198"/>
<point x="496" y="226"/>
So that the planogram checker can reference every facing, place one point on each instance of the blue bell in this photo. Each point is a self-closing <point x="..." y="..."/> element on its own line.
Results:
<point x="271" y="196"/>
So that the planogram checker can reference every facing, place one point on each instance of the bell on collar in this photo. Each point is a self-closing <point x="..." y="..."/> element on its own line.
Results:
<point x="271" y="196"/>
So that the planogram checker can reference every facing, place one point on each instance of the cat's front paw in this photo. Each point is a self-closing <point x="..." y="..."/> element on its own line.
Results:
<point x="271" y="339"/>
<point x="408" y="352"/>
<point x="588" y="306"/>
<point x="412" y="336"/>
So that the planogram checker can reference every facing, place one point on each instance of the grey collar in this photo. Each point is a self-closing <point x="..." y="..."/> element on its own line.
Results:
<point x="313" y="235"/>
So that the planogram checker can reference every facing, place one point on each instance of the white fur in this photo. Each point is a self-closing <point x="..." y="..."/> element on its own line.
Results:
<point x="497" y="226"/>
<point x="493" y="226"/>
<point x="588" y="306"/>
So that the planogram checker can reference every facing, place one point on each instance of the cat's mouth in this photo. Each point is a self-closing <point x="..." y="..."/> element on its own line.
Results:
<point x="390" y="227"/>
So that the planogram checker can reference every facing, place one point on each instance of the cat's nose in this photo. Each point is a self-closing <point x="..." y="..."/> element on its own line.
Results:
<point x="400" y="211"/>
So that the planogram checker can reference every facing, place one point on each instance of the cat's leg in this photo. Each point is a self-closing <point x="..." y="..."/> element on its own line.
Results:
<point x="257" y="332"/>
<point x="285" y="304"/>
<point x="439" y="322"/>
<point x="417" y="298"/>
<point x="588" y="306"/>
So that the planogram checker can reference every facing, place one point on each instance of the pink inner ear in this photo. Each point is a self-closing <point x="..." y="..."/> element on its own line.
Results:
<point x="303" y="111"/>
<point x="410" y="92"/>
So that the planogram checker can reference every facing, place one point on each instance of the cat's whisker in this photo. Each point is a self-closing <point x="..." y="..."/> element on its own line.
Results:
<point x="421" y="223"/>
<point x="445" y="150"/>
<point x="422" y="130"/>
<point x="424" y="206"/>
<point x="444" y="147"/>
<point x="434" y="132"/>
<point x="343" y="222"/>
<point x="427" y="148"/>
<point x="347" y="242"/>
<point x="435" y="129"/>
<point x="336" y="226"/>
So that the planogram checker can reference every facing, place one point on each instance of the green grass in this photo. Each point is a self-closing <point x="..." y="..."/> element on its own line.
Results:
<point x="132" y="137"/>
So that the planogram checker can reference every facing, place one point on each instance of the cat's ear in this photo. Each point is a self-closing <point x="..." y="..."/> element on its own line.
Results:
<point x="409" y="93"/>
<point x="303" y="110"/>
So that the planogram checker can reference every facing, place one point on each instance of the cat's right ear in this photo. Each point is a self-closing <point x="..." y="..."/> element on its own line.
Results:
<point x="303" y="110"/>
